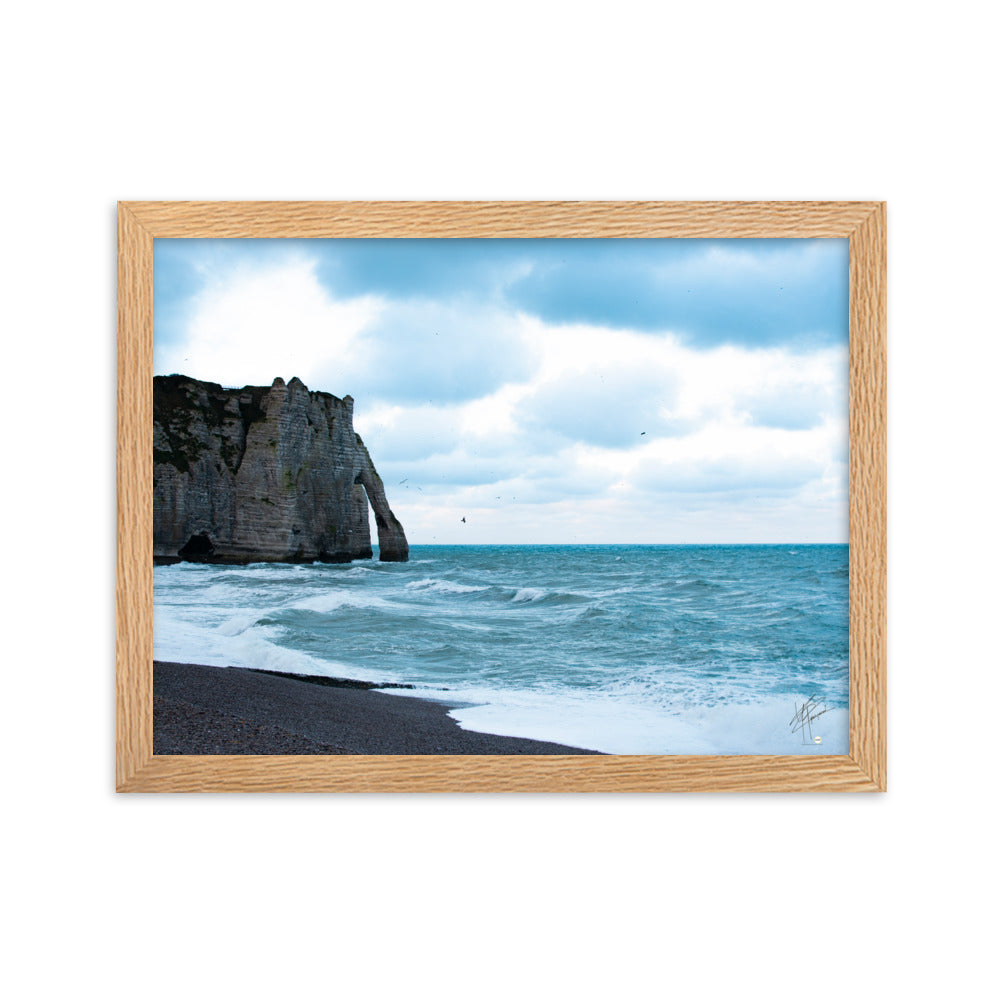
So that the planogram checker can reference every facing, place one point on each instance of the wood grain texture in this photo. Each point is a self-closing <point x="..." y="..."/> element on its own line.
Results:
<point x="862" y="769"/>
<point x="134" y="474"/>
<point x="867" y="471"/>
<point x="500" y="774"/>
<point x="304" y="219"/>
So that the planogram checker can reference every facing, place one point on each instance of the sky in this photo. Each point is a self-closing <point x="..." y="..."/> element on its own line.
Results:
<point x="648" y="391"/>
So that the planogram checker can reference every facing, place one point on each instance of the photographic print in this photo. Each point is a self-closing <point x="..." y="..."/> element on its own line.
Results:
<point x="509" y="496"/>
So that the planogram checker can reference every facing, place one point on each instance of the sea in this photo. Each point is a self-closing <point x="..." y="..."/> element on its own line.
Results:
<point x="626" y="649"/>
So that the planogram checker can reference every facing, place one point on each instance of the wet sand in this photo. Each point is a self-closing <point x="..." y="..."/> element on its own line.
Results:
<point x="231" y="710"/>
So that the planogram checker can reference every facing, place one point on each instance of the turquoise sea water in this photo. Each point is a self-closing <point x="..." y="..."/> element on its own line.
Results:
<point x="626" y="649"/>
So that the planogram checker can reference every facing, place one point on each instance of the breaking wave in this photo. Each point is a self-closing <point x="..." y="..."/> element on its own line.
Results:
<point x="444" y="587"/>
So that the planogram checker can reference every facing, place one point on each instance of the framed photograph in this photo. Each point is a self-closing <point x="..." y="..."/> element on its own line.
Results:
<point x="501" y="496"/>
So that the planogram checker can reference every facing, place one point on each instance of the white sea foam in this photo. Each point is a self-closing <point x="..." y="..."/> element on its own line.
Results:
<point x="526" y="594"/>
<point x="335" y="600"/>
<point x="444" y="587"/>
<point x="627" y="726"/>
<point x="238" y="623"/>
<point x="356" y="571"/>
<point x="180" y="640"/>
<point x="255" y="649"/>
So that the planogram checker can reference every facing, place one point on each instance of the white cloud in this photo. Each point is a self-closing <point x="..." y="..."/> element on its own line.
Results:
<point x="256" y="323"/>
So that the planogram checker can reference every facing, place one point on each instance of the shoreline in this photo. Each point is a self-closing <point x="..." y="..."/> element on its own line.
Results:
<point x="200" y="709"/>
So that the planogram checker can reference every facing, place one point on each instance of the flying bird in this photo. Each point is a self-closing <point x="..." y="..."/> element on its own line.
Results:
<point x="463" y="520"/>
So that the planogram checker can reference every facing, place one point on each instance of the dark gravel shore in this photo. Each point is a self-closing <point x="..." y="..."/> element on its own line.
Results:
<point x="215" y="710"/>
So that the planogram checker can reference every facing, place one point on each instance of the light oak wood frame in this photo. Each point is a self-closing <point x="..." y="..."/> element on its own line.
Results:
<point x="863" y="768"/>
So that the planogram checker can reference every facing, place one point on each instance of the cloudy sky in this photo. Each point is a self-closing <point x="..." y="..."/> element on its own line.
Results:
<point x="548" y="391"/>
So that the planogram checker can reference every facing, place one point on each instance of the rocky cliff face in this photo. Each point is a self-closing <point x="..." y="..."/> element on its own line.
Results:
<point x="263" y="474"/>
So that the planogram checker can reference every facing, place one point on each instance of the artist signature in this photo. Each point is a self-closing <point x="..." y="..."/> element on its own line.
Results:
<point x="805" y="715"/>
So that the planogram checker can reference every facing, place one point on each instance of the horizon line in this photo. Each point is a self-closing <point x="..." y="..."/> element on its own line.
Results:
<point x="610" y="544"/>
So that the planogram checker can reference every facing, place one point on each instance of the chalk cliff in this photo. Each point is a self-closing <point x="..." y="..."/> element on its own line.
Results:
<point x="263" y="474"/>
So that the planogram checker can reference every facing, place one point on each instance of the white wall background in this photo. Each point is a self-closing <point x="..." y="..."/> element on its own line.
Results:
<point x="699" y="896"/>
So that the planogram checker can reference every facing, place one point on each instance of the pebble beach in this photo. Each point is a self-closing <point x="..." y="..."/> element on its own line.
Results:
<point x="230" y="710"/>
